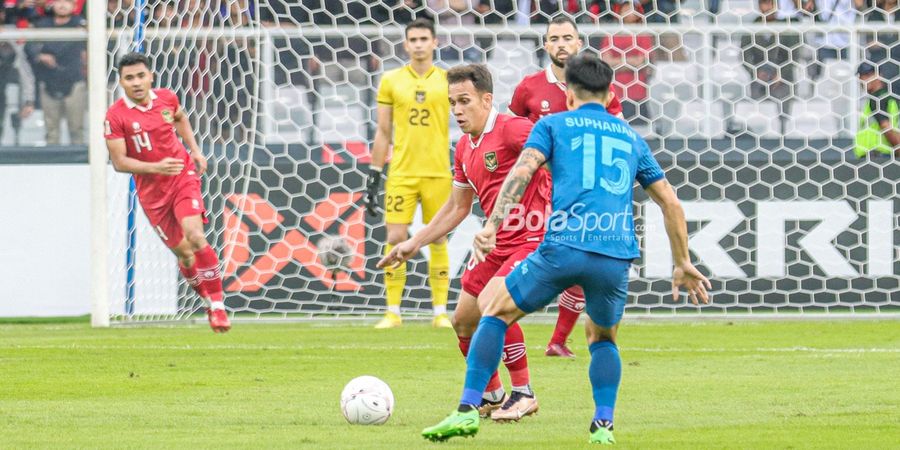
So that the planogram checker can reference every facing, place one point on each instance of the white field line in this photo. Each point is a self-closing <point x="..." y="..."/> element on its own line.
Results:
<point x="436" y="347"/>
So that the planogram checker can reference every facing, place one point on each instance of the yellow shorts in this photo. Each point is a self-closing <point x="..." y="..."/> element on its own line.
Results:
<point x="402" y="194"/>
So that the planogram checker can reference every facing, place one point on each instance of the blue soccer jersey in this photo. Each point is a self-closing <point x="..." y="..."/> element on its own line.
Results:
<point x="595" y="158"/>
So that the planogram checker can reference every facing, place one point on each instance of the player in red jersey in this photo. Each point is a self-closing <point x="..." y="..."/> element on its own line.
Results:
<point x="536" y="96"/>
<point x="140" y="136"/>
<point x="483" y="158"/>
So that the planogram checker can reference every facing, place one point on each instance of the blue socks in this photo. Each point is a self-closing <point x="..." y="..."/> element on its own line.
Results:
<point x="483" y="359"/>
<point x="605" y="372"/>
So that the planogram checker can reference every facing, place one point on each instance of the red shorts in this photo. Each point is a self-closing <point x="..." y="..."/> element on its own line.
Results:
<point x="499" y="263"/>
<point x="186" y="202"/>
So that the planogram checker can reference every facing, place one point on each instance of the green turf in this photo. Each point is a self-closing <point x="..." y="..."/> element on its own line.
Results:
<point x="687" y="385"/>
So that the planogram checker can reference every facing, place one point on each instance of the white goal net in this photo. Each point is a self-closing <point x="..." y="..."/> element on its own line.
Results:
<point x="754" y="120"/>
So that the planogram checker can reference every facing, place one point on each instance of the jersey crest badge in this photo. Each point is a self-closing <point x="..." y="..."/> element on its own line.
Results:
<point x="545" y="105"/>
<point x="490" y="161"/>
<point x="420" y="96"/>
<point x="167" y="116"/>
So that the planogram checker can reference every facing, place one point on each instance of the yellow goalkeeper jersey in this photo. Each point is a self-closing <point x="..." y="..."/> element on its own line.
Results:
<point x="421" y="119"/>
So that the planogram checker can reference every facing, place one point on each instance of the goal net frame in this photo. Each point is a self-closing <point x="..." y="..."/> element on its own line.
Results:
<point x="769" y="222"/>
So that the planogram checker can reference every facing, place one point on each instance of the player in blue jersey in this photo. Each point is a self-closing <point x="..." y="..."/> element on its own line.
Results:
<point x="595" y="159"/>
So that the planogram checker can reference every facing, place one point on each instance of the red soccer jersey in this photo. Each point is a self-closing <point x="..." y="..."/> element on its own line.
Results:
<point x="150" y="136"/>
<point x="541" y="93"/>
<point x="483" y="164"/>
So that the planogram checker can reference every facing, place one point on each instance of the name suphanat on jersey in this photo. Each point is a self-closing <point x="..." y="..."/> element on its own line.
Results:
<point x="595" y="159"/>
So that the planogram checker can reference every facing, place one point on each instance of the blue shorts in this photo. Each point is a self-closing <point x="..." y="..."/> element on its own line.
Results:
<point x="554" y="267"/>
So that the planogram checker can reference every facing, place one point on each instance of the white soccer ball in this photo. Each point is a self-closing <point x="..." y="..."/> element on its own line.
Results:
<point x="366" y="400"/>
<point x="335" y="253"/>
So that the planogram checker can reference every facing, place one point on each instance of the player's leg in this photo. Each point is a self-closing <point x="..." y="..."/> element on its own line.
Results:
<point x="508" y="305"/>
<point x="400" y="205"/>
<point x="571" y="303"/>
<point x="209" y="275"/>
<point x="605" y="372"/>
<point x="465" y="320"/>
<point x="434" y="193"/>
<point x="522" y="400"/>
<point x="605" y="283"/>
<point x="189" y="210"/>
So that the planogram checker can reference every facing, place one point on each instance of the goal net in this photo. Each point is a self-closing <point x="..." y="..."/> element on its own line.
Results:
<point x="753" y="119"/>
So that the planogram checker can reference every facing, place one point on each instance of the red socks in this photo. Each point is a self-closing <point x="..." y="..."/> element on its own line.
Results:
<point x="190" y="275"/>
<point x="571" y="303"/>
<point x="209" y="277"/>
<point x="514" y="358"/>
<point x="494" y="382"/>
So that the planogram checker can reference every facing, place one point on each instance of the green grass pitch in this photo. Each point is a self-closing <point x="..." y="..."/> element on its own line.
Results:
<point x="812" y="384"/>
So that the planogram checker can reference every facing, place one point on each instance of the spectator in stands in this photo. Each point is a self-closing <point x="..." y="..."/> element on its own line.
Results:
<point x="629" y="56"/>
<point x="118" y="13"/>
<point x="831" y="45"/>
<point x="879" y="122"/>
<point x="60" y="70"/>
<point x="661" y="11"/>
<point x="14" y="68"/>
<point x="456" y="13"/>
<point x="770" y="60"/>
<point x="883" y="50"/>
<point x="23" y="13"/>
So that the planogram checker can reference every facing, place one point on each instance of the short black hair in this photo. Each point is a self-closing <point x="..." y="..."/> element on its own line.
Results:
<point x="132" y="59"/>
<point x="588" y="75"/>
<point x="478" y="74"/>
<point x="422" y="23"/>
<point x="865" y="68"/>
<point x="561" y="19"/>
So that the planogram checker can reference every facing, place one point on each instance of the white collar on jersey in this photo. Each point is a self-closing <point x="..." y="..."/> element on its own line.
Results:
<point x="488" y="127"/>
<point x="134" y="105"/>
<point x="551" y="78"/>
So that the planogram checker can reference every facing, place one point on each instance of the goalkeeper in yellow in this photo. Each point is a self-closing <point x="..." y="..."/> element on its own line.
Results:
<point x="414" y="114"/>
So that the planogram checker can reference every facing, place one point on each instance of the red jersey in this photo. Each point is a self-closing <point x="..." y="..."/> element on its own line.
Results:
<point x="150" y="136"/>
<point x="482" y="164"/>
<point x="541" y="93"/>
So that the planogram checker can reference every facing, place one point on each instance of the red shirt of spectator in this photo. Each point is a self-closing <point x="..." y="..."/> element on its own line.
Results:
<point x="625" y="52"/>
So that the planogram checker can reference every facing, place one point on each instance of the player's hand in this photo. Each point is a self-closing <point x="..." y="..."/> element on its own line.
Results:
<point x="169" y="166"/>
<point x="373" y="185"/>
<point x="687" y="276"/>
<point x="399" y="254"/>
<point x="484" y="243"/>
<point x="199" y="162"/>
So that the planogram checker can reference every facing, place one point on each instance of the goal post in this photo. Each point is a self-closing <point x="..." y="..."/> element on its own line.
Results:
<point x="785" y="220"/>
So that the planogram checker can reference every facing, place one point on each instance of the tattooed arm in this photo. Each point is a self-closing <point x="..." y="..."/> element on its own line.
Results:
<point x="511" y="193"/>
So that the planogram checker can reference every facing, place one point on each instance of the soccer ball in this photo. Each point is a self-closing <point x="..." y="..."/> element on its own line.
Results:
<point x="366" y="400"/>
<point x="335" y="253"/>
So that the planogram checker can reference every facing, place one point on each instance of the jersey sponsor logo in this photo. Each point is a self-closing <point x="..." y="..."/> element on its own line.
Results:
<point x="420" y="96"/>
<point x="490" y="161"/>
<point x="107" y="128"/>
<point x="167" y="116"/>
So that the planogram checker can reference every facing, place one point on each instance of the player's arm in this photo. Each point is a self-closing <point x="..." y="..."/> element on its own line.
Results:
<point x="122" y="163"/>
<point x="530" y="160"/>
<point x="383" y="138"/>
<point x="684" y="273"/>
<point x="186" y="132"/>
<point x="892" y="135"/>
<point x="454" y="211"/>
